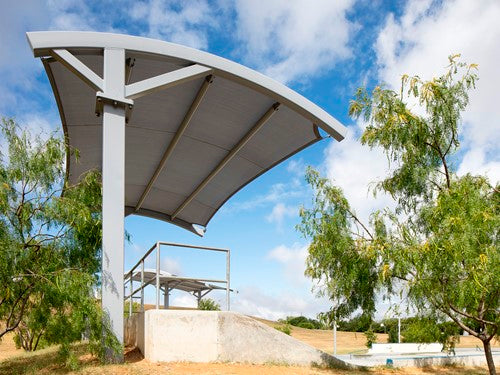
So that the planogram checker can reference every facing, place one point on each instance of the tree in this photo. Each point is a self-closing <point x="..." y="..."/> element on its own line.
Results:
<point x="208" y="304"/>
<point x="303" y="322"/>
<point x="50" y="240"/>
<point x="439" y="247"/>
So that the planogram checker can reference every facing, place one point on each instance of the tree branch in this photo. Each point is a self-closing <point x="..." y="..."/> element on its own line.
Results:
<point x="8" y="326"/>
<point x="443" y="161"/>
<point x="359" y="222"/>
<point x="467" y="315"/>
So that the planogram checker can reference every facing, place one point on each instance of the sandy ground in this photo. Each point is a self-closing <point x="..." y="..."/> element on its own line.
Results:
<point x="8" y="348"/>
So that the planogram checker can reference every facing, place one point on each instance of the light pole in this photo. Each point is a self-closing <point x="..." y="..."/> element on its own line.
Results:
<point x="399" y="330"/>
<point x="334" y="335"/>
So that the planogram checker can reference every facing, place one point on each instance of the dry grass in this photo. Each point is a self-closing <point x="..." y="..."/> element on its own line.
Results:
<point x="348" y="342"/>
<point x="45" y="362"/>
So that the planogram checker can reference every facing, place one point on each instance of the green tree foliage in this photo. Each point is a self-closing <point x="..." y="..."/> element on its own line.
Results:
<point x="49" y="244"/>
<point x="427" y="330"/>
<point x="360" y="323"/>
<point x="439" y="247"/>
<point x="208" y="304"/>
<point x="303" y="322"/>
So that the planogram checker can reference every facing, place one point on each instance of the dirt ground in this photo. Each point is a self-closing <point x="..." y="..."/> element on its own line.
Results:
<point x="45" y="362"/>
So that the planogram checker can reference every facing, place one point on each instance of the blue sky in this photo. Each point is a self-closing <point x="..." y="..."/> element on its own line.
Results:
<point x="324" y="50"/>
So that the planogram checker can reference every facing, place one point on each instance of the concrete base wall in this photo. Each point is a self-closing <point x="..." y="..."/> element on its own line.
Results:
<point x="210" y="336"/>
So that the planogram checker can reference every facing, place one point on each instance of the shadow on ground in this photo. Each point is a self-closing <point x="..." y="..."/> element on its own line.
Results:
<point x="47" y="361"/>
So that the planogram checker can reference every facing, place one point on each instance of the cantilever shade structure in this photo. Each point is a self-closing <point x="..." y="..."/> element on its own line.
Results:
<point x="178" y="131"/>
<point x="169" y="282"/>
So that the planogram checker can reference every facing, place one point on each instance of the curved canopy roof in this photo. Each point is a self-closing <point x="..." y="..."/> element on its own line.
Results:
<point x="199" y="128"/>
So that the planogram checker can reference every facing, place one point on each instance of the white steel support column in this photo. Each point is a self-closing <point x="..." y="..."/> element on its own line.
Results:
<point x="113" y="193"/>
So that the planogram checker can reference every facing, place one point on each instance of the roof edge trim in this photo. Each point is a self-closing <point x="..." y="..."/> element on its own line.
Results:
<point x="129" y="210"/>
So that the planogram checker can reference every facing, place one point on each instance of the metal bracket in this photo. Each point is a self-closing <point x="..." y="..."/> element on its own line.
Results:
<point x="102" y="98"/>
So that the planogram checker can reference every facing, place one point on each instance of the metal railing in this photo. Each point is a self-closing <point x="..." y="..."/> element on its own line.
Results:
<point x="130" y="274"/>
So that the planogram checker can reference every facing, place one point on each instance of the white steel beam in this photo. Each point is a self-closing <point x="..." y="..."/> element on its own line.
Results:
<point x="78" y="68"/>
<point x="258" y="125"/>
<point x="178" y="134"/>
<point x="163" y="81"/>
<point x="113" y="195"/>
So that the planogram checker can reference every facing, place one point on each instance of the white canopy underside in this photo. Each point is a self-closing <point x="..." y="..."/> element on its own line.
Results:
<point x="233" y="103"/>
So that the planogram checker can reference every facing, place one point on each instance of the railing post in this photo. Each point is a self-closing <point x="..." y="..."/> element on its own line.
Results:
<point x="157" y="275"/>
<point x="166" y="297"/>
<point x="228" y="277"/>
<point x="131" y="287"/>
<point x="142" y="285"/>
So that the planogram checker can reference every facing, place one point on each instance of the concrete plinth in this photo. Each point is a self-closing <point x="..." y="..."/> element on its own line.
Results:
<point x="210" y="336"/>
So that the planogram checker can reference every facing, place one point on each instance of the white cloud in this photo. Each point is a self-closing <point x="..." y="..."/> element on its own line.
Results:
<point x="297" y="167"/>
<point x="177" y="21"/>
<point x="292" y="40"/>
<point x="474" y="161"/>
<point x="277" y="193"/>
<point x="355" y="168"/>
<point x="183" y="300"/>
<point x="293" y="261"/>
<point x="17" y="65"/>
<point x="254" y="301"/>
<point x="419" y="43"/>
<point x="171" y="265"/>
<point x="280" y="212"/>
<point x="38" y="124"/>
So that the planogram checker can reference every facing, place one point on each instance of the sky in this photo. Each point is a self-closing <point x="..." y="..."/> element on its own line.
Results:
<point x="322" y="49"/>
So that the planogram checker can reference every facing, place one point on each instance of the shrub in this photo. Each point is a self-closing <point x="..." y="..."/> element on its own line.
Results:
<point x="371" y="338"/>
<point x="208" y="304"/>
<point x="285" y="328"/>
<point x="307" y="325"/>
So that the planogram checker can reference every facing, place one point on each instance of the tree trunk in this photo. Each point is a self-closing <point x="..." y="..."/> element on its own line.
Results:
<point x="489" y="357"/>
